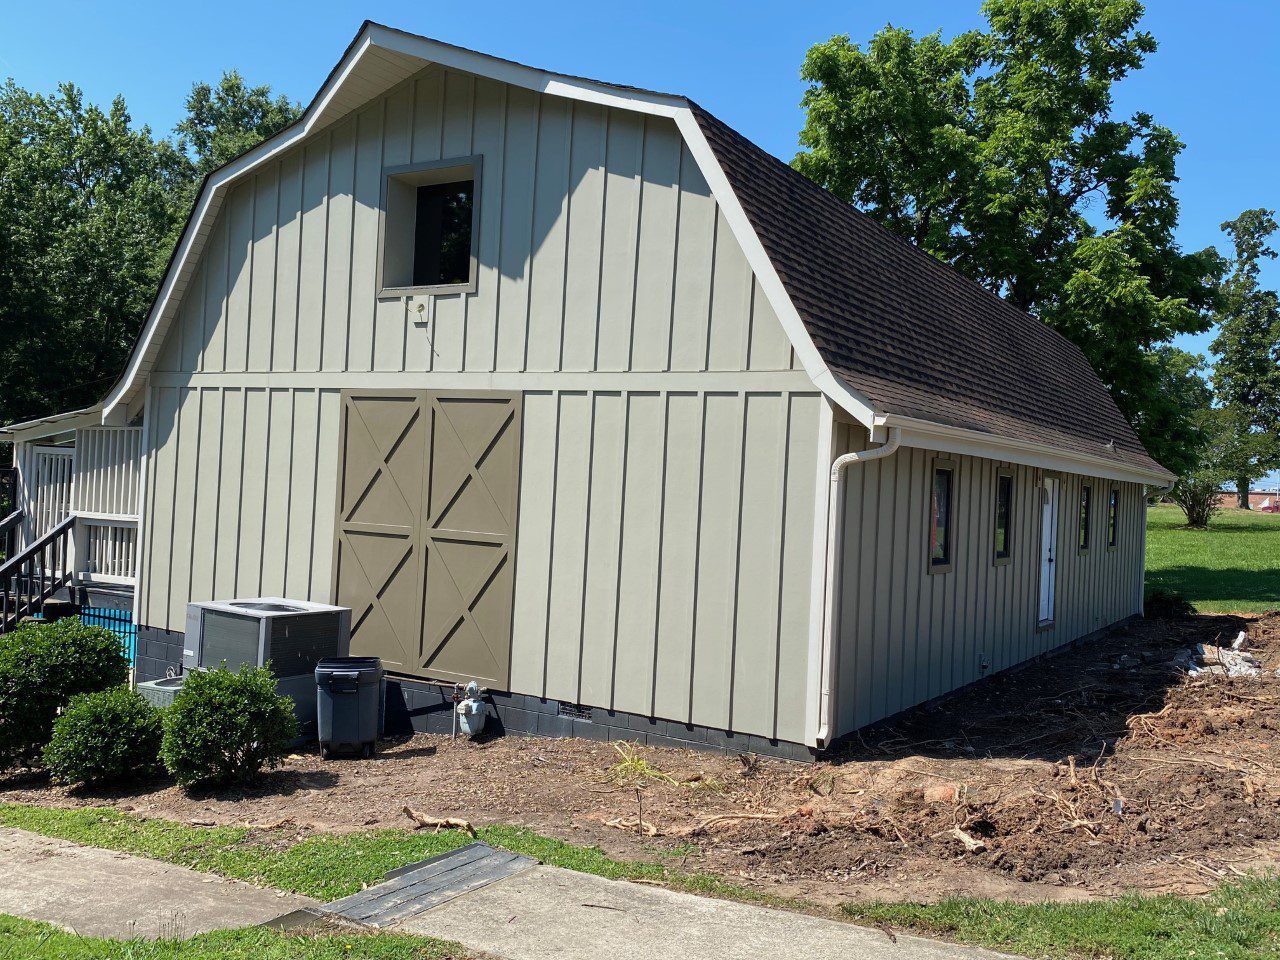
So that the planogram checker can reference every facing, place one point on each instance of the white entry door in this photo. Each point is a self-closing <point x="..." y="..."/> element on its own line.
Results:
<point x="1048" y="546"/>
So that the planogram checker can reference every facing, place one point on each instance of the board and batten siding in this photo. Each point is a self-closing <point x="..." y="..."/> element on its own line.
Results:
<point x="665" y="540"/>
<point x="600" y="248"/>
<point x="905" y="635"/>
<point x="664" y="550"/>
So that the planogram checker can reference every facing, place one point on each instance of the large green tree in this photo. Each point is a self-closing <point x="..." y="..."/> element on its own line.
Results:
<point x="225" y="120"/>
<point x="86" y="222"/>
<point x="90" y="208"/>
<point x="1246" y="377"/>
<point x="999" y="151"/>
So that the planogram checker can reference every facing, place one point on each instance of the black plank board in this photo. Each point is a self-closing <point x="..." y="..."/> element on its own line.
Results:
<point x="419" y="887"/>
<point x="419" y="872"/>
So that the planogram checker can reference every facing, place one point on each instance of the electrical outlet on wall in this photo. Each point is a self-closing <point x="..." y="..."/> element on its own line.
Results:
<point x="984" y="662"/>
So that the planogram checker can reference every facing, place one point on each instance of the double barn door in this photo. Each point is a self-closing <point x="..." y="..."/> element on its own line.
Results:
<point x="425" y="553"/>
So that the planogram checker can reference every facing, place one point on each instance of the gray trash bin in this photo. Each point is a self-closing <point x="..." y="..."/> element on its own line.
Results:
<point x="349" y="704"/>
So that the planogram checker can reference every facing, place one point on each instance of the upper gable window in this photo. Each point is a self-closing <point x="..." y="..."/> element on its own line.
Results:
<point x="429" y="227"/>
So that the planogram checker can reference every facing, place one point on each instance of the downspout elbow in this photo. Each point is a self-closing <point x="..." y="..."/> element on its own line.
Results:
<point x="830" y="649"/>
<point x="889" y="447"/>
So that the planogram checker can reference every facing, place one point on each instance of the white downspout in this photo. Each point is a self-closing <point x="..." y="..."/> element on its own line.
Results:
<point x="835" y="532"/>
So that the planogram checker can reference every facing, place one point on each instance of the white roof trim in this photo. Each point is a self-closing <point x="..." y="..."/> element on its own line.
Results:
<point x="937" y="436"/>
<point x="49" y="426"/>
<point x="531" y="78"/>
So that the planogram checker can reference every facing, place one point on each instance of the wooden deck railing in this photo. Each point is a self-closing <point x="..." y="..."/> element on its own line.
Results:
<point x="34" y="575"/>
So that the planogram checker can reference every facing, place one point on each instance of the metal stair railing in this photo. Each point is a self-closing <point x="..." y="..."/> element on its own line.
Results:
<point x="34" y="575"/>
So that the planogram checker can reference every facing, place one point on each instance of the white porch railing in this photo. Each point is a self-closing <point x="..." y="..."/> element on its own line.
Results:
<point x="107" y="461"/>
<point x="107" y="550"/>
<point x="105" y="501"/>
<point x="52" y="469"/>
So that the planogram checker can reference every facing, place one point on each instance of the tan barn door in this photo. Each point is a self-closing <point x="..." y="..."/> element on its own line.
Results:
<point x="378" y="556"/>
<point x="426" y="530"/>
<point x="469" y="536"/>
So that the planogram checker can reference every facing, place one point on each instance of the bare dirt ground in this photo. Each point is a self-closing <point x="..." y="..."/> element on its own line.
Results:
<point x="1101" y="769"/>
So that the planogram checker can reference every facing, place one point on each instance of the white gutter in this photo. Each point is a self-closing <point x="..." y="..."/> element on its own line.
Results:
<point x="835" y="532"/>
<point x="1142" y="566"/>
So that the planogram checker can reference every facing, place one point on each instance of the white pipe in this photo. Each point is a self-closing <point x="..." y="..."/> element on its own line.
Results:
<point x="835" y="531"/>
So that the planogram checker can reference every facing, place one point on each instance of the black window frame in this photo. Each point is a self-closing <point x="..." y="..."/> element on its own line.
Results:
<point x="1113" y="518"/>
<point x="945" y="563"/>
<point x="999" y="557"/>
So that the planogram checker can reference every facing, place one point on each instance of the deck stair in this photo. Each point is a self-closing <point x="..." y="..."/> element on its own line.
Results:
<point x="31" y="580"/>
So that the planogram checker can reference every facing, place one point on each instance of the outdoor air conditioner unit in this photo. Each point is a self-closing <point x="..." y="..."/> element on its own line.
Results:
<point x="291" y="635"/>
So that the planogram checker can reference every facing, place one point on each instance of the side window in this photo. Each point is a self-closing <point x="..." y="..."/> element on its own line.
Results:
<point x="1004" y="518"/>
<point x="941" y="517"/>
<point x="429" y="228"/>
<point x="1113" y="518"/>
<point x="1086" y="512"/>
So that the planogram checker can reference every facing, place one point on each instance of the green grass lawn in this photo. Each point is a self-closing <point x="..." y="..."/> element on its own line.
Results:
<point x="1234" y="565"/>
<point x="1240" y="920"/>
<point x="25" y="940"/>
<point x="330" y="866"/>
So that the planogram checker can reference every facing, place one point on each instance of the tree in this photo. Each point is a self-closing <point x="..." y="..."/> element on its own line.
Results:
<point x="998" y="152"/>
<point x="1247" y="375"/>
<point x="1179" y="407"/>
<point x="1229" y="447"/>
<point x="223" y="122"/>
<point x="90" y="208"/>
<point x="86" y="223"/>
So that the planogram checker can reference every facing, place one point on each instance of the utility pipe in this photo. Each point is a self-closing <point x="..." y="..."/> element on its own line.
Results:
<point x="835" y="533"/>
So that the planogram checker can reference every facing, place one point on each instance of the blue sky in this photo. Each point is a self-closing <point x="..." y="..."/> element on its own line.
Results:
<point x="1215" y="79"/>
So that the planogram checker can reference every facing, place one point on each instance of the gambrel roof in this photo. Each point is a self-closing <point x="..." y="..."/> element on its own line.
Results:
<point x="914" y="336"/>
<point x="889" y="334"/>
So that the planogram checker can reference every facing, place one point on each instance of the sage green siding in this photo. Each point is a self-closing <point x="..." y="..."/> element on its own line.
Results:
<point x="665" y="539"/>
<point x="600" y="247"/>
<point x="905" y="635"/>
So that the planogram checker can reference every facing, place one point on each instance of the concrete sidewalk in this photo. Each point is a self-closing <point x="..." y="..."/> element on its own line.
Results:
<point x="551" y="914"/>
<point x="102" y="893"/>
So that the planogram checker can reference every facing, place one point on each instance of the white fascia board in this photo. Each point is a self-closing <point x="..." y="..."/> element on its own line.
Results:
<point x="520" y="75"/>
<point x="214" y="186"/>
<point x="946" y="439"/>
<point x="797" y="333"/>
<point x="33" y="430"/>
<point x="541" y="81"/>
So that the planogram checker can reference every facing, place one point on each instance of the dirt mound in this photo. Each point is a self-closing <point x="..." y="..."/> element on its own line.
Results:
<point x="1104" y="768"/>
<point x="1134" y="764"/>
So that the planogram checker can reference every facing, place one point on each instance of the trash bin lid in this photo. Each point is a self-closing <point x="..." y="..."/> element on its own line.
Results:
<point x="349" y="665"/>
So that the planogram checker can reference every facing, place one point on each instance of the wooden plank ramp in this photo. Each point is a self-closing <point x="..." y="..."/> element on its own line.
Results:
<point x="416" y="888"/>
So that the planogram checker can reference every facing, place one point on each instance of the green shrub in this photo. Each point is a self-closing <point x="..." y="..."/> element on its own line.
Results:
<point x="225" y="727"/>
<point x="44" y="665"/>
<point x="104" y="736"/>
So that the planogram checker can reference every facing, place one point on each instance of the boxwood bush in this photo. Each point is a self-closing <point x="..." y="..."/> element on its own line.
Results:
<point x="44" y="665"/>
<point x="104" y="736"/>
<point x="226" y="727"/>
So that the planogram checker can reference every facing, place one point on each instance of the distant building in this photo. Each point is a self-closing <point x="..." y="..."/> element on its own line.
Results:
<point x="1258" y="499"/>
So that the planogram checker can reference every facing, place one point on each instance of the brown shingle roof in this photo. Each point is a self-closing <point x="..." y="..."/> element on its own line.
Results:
<point x="909" y="332"/>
